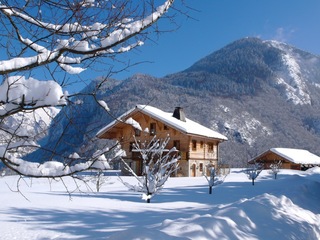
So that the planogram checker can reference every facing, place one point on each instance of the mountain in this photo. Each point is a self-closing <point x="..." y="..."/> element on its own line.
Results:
<point x="35" y="124"/>
<point x="260" y="94"/>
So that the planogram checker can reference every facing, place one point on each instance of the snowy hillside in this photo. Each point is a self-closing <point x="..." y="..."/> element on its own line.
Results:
<point x="34" y="124"/>
<point x="285" y="208"/>
<point x="290" y="76"/>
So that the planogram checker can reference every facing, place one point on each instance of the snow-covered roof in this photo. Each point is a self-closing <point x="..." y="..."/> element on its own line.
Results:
<point x="297" y="156"/>
<point x="188" y="127"/>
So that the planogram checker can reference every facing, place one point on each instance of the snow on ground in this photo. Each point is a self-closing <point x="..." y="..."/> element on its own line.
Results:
<point x="285" y="208"/>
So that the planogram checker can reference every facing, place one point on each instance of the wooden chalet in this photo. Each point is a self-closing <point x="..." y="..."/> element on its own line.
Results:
<point x="198" y="146"/>
<point x="298" y="159"/>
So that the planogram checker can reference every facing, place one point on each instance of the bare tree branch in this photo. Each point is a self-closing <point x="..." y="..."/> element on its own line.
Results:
<point x="66" y="36"/>
<point x="73" y="43"/>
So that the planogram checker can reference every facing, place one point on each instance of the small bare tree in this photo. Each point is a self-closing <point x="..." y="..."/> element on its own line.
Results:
<point x="254" y="172"/>
<point x="211" y="179"/>
<point x="275" y="168"/>
<point x="216" y="177"/>
<point x="158" y="164"/>
<point x="98" y="179"/>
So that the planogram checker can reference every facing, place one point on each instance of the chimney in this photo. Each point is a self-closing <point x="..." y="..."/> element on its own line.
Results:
<point x="179" y="114"/>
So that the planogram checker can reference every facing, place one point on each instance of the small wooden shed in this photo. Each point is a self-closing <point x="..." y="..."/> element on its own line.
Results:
<point x="291" y="158"/>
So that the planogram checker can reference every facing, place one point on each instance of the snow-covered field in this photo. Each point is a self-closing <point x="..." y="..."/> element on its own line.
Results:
<point x="285" y="208"/>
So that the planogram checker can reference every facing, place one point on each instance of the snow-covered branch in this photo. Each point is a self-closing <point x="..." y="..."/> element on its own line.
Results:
<point x="18" y="93"/>
<point x="106" y="29"/>
<point x="54" y="169"/>
<point x="65" y="36"/>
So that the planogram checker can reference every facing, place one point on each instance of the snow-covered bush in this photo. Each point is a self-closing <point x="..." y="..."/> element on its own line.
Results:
<point x="158" y="165"/>
<point x="254" y="171"/>
<point x="214" y="178"/>
<point x="275" y="168"/>
<point x="211" y="179"/>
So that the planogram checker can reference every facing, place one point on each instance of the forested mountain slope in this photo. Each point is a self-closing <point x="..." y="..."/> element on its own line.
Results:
<point x="260" y="94"/>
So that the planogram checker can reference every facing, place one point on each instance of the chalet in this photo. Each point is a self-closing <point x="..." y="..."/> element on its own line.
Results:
<point x="198" y="146"/>
<point x="291" y="158"/>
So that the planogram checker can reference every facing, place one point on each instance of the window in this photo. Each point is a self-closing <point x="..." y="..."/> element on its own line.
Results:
<point x="210" y="147"/>
<point x="194" y="145"/>
<point x="152" y="129"/>
<point x="166" y="127"/>
<point x="137" y="132"/>
<point x="201" y="144"/>
<point x="176" y="144"/>
<point x="201" y="167"/>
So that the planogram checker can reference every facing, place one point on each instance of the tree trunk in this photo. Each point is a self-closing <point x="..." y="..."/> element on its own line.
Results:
<point x="148" y="200"/>
<point x="252" y="181"/>
<point x="210" y="189"/>
<point x="98" y="185"/>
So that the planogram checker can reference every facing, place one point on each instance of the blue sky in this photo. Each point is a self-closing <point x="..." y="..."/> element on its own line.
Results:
<point x="220" y="22"/>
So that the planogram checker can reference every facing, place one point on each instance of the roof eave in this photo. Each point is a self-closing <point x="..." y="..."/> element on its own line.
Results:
<point x="208" y="137"/>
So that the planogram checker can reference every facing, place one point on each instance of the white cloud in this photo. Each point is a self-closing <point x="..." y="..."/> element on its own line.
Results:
<point x="283" y="35"/>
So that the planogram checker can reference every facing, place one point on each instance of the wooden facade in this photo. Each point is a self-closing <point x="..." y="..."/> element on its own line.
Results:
<point x="197" y="152"/>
